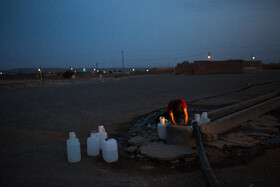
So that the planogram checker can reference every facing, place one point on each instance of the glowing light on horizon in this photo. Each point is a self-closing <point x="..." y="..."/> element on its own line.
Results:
<point x="209" y="56"/>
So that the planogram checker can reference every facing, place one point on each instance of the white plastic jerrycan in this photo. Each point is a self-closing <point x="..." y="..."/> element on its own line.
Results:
<point x="204" y="119"/>
<point x="102" y="134"/>
<point x="110" y="150"/>
<point x="162" y="128"/>
<point x="93" y="144"/>
<point x="204" y="115"/>
<point x="73" y="148"/>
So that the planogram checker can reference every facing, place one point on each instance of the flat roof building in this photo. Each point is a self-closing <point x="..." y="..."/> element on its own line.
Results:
<point x="218" y="67"/>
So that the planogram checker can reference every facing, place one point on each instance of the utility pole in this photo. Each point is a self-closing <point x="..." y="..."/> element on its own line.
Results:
<point x="169" y="68"/>
<point x="122" y="62"/>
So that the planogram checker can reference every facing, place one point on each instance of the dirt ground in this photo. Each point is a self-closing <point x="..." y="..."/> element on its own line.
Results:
<point x="35" y="122"/>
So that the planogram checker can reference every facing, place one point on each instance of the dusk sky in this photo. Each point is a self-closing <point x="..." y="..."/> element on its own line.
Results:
<point x="152" y="33"/>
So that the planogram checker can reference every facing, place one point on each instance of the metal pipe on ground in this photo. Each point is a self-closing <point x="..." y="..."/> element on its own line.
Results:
<point x="209" y="174"/>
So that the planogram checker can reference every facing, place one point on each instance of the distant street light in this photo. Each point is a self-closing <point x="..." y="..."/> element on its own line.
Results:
<point x="40" y="73"/>
<point x="252" y="57"/>
<point x="209" y="56"/>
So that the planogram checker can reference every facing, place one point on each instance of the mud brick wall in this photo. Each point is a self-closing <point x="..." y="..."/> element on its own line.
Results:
<point x="217" y="67"/>
<point x="185" y="68"/>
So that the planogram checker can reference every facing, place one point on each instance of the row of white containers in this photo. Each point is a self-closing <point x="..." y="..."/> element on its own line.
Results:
<point x="202" y="120"/>
<point x="95" y="143"/>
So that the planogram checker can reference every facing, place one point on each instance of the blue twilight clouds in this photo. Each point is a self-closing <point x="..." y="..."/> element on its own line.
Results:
<point x="152" y="33"/>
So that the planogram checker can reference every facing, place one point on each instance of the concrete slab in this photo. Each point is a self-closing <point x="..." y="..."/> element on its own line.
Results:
<point x="233" y="120"/>
<point x="137" y="140"/>
<point x="132" y="149"/>
<point x="269" y="124"/>
<point x="255" y="132"/>
<point x="161" y="151"/>
<point x="264" y="129"/>
<point x="235" y="140"/>
<point x="221" y="144"/>
<point x="267" y="118"/>
<point x="259" y="134"/>
<point x="241" y="139"/>
<point x="270" y="127"/>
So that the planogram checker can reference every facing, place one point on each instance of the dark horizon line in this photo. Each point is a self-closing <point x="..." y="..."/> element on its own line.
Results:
<point x="130" y="67"/>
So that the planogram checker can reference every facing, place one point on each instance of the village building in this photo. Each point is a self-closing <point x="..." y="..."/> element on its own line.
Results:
<point x="218" y="67"/>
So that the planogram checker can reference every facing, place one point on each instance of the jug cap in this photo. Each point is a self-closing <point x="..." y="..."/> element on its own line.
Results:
<point x="72" y="134"/>
<point x="101" y="128"/>
<point x="92" y="131"/>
